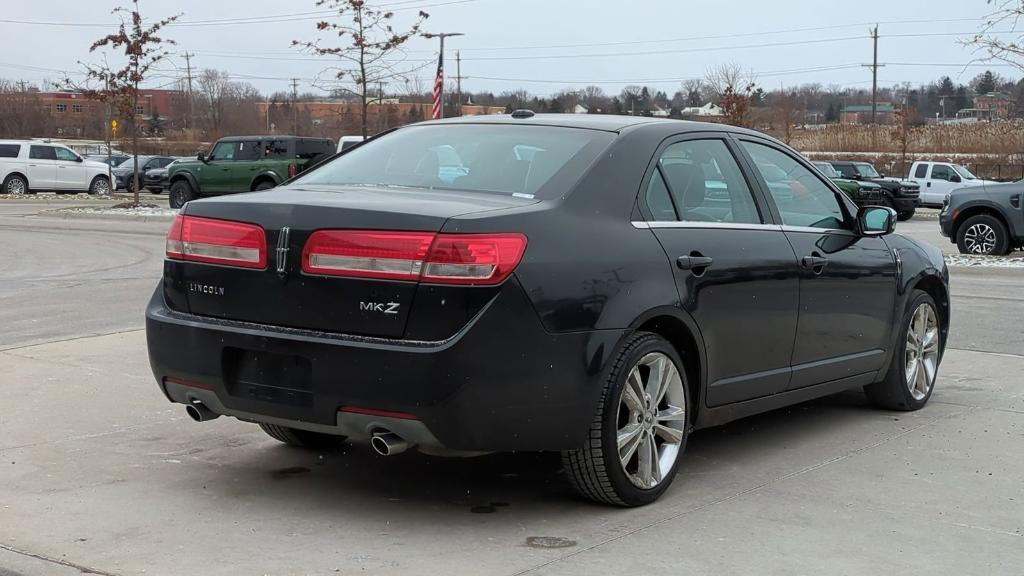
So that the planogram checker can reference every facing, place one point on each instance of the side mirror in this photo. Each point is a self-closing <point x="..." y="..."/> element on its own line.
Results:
<point x="876" y="221"/>
<point x="78" y="159"/>
<point x="201" y="157"/>
<point x="955" y="178"/>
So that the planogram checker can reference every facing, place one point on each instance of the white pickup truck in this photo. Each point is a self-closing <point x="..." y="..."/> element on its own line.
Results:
<point x="940" y="178"/>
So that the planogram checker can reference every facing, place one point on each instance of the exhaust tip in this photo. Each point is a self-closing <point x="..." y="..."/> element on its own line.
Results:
<point x="388" y="444"/>
<point x="200" y="413"/>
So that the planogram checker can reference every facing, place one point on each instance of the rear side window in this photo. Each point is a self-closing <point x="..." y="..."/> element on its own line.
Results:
<point x="847" y="170"/>
<point x="503" y="159"/>
<point x="308" y="149"/>
<point x="251" y="150"/>
<point x="276" y="149"/>
<point x="706" y="183"/>
<point x="42" y="153"/>
<point x="922" y="171"/>
<point x="658" y="200"/>
<point x="10" y="150"/>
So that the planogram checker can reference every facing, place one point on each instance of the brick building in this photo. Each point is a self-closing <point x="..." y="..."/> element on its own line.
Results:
<point x="74" y="115"/>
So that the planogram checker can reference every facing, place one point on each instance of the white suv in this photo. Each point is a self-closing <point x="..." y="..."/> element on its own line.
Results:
<point x="28" y="166"/>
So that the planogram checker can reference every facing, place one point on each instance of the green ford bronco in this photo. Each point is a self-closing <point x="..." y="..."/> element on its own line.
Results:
<point x="244" y="164"/>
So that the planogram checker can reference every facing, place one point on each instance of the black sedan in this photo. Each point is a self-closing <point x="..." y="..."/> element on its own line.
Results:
<point x="599" y="286"/>
<point x="124" y="174"/>
<point x="156" y="180"/>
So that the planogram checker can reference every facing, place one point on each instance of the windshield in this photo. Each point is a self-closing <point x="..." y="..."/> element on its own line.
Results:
<point x="866" y="170"/>
<point x="827" y="169"/>
<point x="129" y="164"/>
<point x="964" y="172"/>
<point x="517" y="160"/>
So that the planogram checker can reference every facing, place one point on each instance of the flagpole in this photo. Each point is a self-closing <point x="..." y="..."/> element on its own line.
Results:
<point x="442" y="36"/>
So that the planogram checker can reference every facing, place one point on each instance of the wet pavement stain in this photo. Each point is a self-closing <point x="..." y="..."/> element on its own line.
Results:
<point x="282" y="473"/>
<point x="549" y="542"/>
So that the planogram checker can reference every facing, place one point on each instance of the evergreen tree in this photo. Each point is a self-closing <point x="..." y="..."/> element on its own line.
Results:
<point x="986" y="83"/>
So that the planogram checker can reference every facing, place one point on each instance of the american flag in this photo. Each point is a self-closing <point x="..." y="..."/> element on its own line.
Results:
<point x="438" y="87"/>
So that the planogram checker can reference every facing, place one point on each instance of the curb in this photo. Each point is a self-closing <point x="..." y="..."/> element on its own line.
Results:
<point x="66" y="215"/>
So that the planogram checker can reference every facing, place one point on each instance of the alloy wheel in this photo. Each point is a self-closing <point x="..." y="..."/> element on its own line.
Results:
<point x="922" y="355"/>
<point x="651" y="420"/>
<point x="15" y="186"/>
<point x="102" y="187"/>
<point x="980" y="239"/>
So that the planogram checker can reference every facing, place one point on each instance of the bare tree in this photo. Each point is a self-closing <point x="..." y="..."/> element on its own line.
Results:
<point x="369" y="43"/>
<point x="904" y="134"/>
<point x="734" y="89"/>
<point x="990" y="45"/>
<point x="119" y="87"/>
<point x="215" y="90"/>
<point x="21" y="113"/>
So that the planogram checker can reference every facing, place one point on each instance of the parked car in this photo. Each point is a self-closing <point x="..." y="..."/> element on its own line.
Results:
<point x="595" y="299"/>
<point x="986" y="219"/>
<point x="938" y="179"/>
<point x="27" y="166"/>
<point x="157" y="179"/>
<point x="113" y="160"/>
<point x="124" y="174"/>
<point x="900" y="195"/>
<point x="347" y="142"/>
<point x="244" y="164"/>
<point x="862" y="192"/>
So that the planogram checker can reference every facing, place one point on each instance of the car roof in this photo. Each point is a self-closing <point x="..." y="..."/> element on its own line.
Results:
<point x="267" y="137"/>
<point x="606" y="122"/>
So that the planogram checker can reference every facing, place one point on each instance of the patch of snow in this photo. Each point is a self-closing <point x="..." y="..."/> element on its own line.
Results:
<point x="153" y="211"/>
<point x="975" y="261"/>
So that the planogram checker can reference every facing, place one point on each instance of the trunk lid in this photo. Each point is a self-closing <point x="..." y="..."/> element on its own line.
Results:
<point x="283" y="295"/>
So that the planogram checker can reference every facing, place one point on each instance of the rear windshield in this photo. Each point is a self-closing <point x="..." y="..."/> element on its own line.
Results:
<point x="9" y="150"/>
<point x="517" y="160"/>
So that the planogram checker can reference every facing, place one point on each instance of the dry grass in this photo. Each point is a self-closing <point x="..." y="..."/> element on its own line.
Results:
<point x="1001" y="140"/>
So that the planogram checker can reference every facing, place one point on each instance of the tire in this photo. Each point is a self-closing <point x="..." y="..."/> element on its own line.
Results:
<point x="894" y="392"/>
<point x="887" y="202"/>
<point x="181" y="192"/>
<point x="302" y="438"/>
<point x="596" y="471"/>
<point x="99" y="185"/>
<point x="264" y="185"/>
<point x="906" y="215"/>
<point x="15" y="184"/>
<point x="983" y="234"/>
<point x="154" y="190"/>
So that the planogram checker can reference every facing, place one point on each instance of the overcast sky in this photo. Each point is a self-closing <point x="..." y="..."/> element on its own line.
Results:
<point x="512" y="44"/>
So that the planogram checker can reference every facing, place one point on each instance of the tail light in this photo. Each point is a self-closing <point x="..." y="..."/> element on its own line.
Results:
<point x="292" y="170"/>
<point x="217" y="242"/>
<point x="483" y="259"/>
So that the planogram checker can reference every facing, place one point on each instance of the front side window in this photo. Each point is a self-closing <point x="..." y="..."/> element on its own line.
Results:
<point x="706" y="183"/>
<point x="941" y="172"/>
<point x="42" y="153"/>
<point x="847" y="170"/>
<point x="501" y="159"/>
<point x="803" y="199"/>
<point x="66" y="155"/>
<point x="224" y="151"/>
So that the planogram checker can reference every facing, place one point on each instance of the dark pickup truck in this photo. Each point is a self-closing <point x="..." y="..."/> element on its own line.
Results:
<point x="903" y="196"/>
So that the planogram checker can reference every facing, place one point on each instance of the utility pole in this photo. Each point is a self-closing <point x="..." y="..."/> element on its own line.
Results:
<point x="874" y="76"/>
<point x="188" y="71"/>
<point x="442" y="36"/>
<point x="458" y="80"/>
<point x="295" y="106"/>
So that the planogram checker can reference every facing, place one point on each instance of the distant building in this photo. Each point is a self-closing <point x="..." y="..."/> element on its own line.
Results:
<point x="75" y="116"/>
<point x="707" y="110"/>
<point x="659" y="112"/>
<point x="580" y="109"/>
<point x="992" y="106"/>
<point x="861" y="114"/>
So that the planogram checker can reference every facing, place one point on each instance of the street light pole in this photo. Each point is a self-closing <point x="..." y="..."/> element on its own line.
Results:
<point x="442" y="36"/>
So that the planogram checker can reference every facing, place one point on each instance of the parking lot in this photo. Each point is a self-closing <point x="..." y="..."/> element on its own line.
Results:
<point x="101" y="475"/>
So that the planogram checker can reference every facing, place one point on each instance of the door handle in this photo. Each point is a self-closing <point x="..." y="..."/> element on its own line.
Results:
<point x="815" y="262"/>
<point x="928" y="184"/>
<point x="697" y="263"/>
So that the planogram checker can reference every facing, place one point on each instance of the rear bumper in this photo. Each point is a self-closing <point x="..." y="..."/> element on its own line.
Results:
<point x="502" y="383"/>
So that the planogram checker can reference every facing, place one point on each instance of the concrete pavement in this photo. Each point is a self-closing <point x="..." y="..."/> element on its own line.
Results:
<point x="99" y="474"/>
